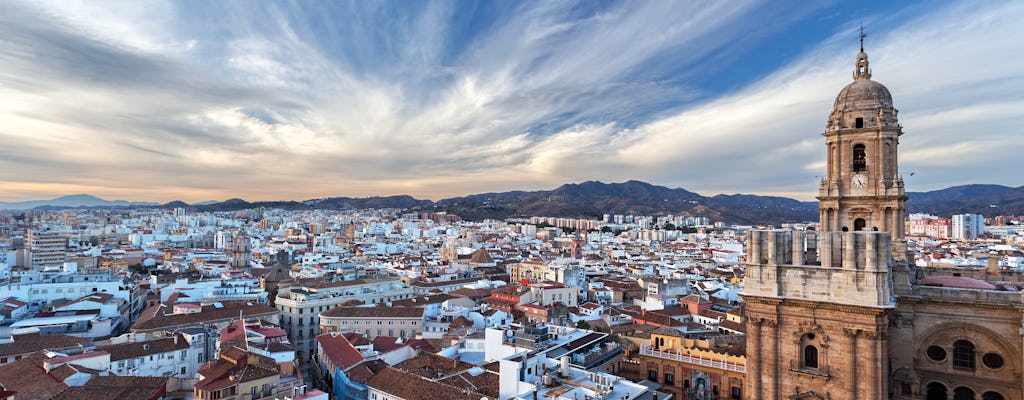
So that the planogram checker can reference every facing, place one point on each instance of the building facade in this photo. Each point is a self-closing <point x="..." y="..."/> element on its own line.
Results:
<point x="403" y="322"/>
<point x="301" y="305"/>
<point x="842" y="315"/>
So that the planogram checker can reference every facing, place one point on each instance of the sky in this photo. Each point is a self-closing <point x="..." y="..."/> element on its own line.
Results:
<point x="272" y="100"/>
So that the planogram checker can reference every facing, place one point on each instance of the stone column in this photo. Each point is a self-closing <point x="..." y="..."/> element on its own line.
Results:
<point x="849" y="250"/>
<point x="851" y="337"/>
<point x="874" y="366"/>
<point x="754" y="352"/>
<point x="798" y="248"/>
<point x="771" y="370"/>
<point x="1022" y="345"/>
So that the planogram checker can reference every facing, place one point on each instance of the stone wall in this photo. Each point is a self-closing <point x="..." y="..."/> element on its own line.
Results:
<point x="839" y="267"/>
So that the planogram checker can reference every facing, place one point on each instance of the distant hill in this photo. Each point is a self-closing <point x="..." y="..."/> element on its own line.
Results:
<point x="71" y="201"/>
<point x="989" y="200"/>
<point x="955" y="193"/>
<point x="591" y="199"/>
<point x="402" y="201"/>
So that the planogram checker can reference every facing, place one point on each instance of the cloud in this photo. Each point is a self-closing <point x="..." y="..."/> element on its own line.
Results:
<point x="168" y="100"/>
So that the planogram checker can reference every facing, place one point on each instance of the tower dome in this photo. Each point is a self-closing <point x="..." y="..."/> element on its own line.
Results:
<point x="863" y="103"/>
<point x="863" y="94"/>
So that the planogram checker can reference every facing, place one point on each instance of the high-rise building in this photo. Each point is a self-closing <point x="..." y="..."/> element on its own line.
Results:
<point x="967" y="226"/>
<point x="48" y="249"/>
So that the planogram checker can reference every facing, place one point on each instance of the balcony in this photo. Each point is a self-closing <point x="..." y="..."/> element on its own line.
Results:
<point x="698" y="360"/>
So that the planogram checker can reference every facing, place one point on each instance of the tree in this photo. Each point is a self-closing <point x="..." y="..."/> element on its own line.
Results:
<point x="581" y="324"/>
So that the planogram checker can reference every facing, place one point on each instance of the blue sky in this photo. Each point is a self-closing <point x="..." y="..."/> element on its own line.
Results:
<point x="198" y="100"/>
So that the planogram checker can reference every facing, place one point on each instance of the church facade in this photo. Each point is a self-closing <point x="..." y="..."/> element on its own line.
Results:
<point x="843" y="314"/>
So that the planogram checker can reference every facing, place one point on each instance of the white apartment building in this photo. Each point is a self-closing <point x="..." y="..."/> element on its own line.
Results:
<point x="968" y="226"/>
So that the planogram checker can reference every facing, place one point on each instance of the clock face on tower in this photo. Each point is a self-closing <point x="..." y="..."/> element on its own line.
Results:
<point x="859" y="181"/>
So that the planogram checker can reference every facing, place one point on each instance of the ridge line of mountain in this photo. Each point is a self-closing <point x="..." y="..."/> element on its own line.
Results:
<point x="592" y="199"/>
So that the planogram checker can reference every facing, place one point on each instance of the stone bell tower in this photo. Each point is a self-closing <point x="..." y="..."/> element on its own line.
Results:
<point x="819" y="303"/>
<point x="862" y="189"/>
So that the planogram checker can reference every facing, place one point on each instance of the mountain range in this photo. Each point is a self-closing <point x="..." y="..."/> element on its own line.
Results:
<point x="72" y="201"/>
<point x="592" y="199"/>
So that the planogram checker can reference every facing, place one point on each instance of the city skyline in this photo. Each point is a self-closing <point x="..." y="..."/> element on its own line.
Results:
<point x="200" y="101"/>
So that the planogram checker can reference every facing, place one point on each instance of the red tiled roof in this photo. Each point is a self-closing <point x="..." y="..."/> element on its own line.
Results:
<point x="338" y="349"/>
<point x="385" y="344"/>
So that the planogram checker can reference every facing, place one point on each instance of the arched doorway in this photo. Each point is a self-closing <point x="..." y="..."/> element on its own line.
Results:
<point x="859" y="224"/>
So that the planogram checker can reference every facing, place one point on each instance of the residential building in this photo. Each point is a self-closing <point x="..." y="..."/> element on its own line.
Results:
<point x="48" y="249"/>
<point x="967" y="226"/>
<point x="300" y="305"/>
<point x="403" y="322"/>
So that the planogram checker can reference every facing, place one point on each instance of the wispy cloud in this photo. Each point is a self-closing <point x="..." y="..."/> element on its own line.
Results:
<point x="281" y="100"/>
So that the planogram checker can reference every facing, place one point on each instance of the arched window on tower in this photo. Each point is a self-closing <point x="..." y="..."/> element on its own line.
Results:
<point x="810" y="356"/>
<point x="860" y="158"/>
<point x="858" y="224"/>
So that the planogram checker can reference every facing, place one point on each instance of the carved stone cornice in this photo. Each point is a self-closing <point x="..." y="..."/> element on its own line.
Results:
<point x="846" y="308"/>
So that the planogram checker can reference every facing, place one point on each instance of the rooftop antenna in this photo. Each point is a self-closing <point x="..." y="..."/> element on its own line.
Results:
<point x="862" y="36"/>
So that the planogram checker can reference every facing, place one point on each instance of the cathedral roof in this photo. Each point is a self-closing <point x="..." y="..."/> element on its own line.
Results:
<point x="960" y="282"/>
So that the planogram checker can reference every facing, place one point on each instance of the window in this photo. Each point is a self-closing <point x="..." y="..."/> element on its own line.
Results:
<point x="859" y="122"/>
<point x="991" y="396"/>
<point x="670" y="379"/>
<point x="963" y="355"/>
<point x="652" y="375"/>
<point x="183" y="370"/>
<point x="992" y="361"/>
<point x="936" y="353"/>
<point x="963" y="393"/>
<point x="860" y="158"/>
<point x="810" y="356"/>
<point x="936" y="391"/>
<point x="737" y="394"/>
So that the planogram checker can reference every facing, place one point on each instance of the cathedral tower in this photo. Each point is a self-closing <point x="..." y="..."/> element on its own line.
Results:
<point x="819" y="304"/>
<point x="862" y="188"/>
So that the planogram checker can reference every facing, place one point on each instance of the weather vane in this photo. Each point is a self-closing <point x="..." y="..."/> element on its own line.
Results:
<point x="862" y="36"/>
